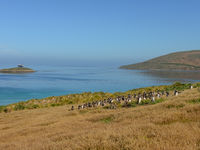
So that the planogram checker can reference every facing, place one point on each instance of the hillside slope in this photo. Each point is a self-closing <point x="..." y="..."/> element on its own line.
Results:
<point x="173" y="124"/>
<point x="187" y="60"/>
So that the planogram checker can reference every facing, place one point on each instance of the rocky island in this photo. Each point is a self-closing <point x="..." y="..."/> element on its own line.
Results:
<point x="186" y="60"/>
<point x="19" y="69"/>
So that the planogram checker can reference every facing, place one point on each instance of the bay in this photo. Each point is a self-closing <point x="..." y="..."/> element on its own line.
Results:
<point x="62" y="80"/>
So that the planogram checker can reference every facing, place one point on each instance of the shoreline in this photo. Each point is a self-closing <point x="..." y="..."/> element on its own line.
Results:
<point x="85" y="97"/>
<point x="164" y="70"/>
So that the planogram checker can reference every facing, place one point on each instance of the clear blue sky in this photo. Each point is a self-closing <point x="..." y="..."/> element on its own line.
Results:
<point x="96" y="32"/>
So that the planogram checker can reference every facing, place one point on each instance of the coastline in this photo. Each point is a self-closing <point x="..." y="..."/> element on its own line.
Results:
<point x="88" y="97"/>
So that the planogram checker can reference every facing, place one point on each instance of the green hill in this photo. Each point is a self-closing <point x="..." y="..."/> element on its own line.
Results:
<point x="186" y="60"/>
<point x="16" y="70"/>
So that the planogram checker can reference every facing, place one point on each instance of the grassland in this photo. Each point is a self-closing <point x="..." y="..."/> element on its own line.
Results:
<point x="173" y="124"/>
<point x="187" y="60"/>
<point x="16" y="70"/>
<point x="81" y="98"/>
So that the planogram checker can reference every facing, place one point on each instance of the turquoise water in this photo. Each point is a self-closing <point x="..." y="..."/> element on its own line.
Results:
<point x="55" y="81"/>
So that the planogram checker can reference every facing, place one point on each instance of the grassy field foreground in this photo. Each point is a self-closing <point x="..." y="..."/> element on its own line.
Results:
<point x="172" y="125"/>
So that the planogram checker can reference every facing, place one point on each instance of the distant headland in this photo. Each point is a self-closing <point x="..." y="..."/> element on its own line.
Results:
<point x="186" y="60"/>
<point x="19" y="69"/>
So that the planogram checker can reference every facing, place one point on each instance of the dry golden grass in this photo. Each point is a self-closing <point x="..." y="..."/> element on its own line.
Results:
<point x="171" y="125"/>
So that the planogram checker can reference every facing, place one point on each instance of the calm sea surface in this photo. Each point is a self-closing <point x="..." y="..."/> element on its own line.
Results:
<point x="55" y="81"/>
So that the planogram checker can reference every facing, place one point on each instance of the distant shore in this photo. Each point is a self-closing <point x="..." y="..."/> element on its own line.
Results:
<point x="185" y="60"/>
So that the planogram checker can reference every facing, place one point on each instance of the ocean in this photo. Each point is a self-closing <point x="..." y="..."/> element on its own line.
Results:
<point x="55" y="81"/>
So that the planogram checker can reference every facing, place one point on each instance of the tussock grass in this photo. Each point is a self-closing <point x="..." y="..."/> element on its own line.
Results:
<point x="172" y="124"/>
<point x="175" y="106"/>
<point x="103" y="118"/>
<point x="194" y="101"/>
